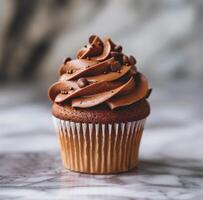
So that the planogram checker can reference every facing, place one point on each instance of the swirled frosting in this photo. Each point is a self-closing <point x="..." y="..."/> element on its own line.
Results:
<point x="101" y="73"/>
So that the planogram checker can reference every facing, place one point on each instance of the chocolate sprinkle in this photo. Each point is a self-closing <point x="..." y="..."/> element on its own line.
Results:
<point x="125" y="60"/>
<point x="118" y="48"/>
<point x="91" y="38"/>
<point x="66" y="60"/>
<point x="82" y="82"/>
<point x="132" y="60"/>
<point x="133" y="70"/>
<point x="117" y="56"/>
<point x="116" y="66"/>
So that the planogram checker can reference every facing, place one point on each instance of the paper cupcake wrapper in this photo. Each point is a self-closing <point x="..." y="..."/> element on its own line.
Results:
<point x="99" y="148"/>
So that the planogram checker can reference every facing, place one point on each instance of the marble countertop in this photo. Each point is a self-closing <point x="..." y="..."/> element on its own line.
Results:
<point x="171" y="155"/>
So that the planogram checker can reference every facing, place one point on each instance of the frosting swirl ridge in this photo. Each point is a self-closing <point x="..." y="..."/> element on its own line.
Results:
<point x="101" y="73"/>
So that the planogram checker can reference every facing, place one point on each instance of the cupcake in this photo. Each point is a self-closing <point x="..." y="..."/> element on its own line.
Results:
<point x="100" y="108"/>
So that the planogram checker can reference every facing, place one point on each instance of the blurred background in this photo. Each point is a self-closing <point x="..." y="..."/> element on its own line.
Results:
<point x="165" y="36"/>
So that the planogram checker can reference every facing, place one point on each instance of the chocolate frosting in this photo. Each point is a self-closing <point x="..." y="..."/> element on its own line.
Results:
<point x="101" y="73"/>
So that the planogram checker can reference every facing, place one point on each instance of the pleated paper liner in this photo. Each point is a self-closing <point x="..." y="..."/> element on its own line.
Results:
<point x="99" y="148"/>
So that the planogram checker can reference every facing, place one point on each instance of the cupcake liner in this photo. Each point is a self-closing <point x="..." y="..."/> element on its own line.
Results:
<point x="99" y="148"/>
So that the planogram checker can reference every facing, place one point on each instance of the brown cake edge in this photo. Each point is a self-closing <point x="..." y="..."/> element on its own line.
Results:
<point x="102" y="114"/>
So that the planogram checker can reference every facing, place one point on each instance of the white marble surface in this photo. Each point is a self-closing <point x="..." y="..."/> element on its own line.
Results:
<point x="171" y="156"/>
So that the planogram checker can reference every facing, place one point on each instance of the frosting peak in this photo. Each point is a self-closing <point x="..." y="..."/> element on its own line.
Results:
<point x="101" y="73"/>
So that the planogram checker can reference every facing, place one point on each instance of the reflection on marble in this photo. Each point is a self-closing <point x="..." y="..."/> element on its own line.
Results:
<point x="171" y="159"/>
